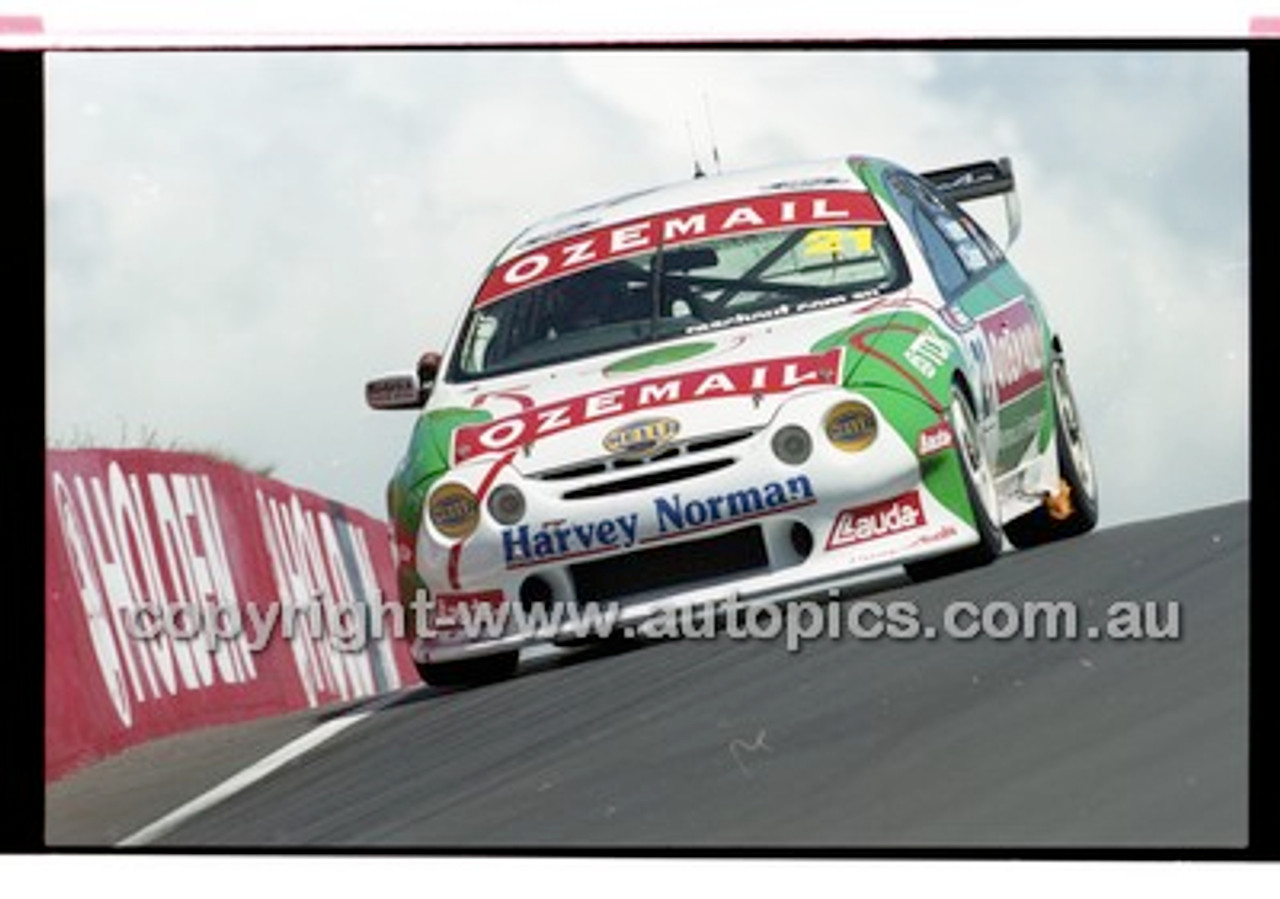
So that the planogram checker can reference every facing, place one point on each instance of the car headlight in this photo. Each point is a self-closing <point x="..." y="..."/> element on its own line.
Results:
<point x="792" y="445"/>
<point x="454" y="511"/>
<point x="851" y="426"/>
<point x="506" y="504"/>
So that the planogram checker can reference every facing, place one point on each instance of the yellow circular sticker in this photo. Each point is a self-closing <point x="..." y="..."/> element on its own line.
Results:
<point x="454" y="511"/>
<point x="642" y="438"/>
<point x="851" y="426"/>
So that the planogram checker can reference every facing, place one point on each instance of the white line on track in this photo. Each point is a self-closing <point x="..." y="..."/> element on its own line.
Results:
<point x="254" y="773"/>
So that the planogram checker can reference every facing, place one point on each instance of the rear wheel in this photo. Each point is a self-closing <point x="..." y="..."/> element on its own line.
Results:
<point x="1075" y="508"/>
<point x="469" y="672"/>
<point x="980" y="487"/>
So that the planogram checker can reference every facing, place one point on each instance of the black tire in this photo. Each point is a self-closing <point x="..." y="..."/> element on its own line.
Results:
<point x="981" y="491"/>
<point x="469" y="672"/>
<point x="1075" y="466"/>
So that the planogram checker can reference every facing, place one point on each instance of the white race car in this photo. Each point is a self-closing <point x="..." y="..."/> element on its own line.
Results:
<point x="742" y="386"/>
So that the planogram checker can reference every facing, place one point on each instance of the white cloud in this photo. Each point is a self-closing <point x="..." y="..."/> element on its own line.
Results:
<point x="238" y="241"/>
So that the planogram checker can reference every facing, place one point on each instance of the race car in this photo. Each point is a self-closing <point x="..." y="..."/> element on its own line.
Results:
<point x="748" y="386"/>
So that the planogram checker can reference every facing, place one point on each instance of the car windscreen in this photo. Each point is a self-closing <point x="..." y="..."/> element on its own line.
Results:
<point x="693" y="288"/>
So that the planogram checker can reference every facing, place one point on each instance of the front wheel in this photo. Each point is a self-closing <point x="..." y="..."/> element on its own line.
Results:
<point x="469" y="672"/>
<point x="980" y="488"/>
<point x="1074" y="509"/>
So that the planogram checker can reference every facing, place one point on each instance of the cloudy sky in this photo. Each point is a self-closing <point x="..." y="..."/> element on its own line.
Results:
<point x="237" y="241"/>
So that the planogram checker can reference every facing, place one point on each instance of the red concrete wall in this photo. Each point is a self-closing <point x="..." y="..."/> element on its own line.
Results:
<point x="181" y="592"/>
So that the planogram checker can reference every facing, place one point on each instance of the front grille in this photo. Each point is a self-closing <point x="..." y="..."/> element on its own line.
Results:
<point x="618" y="463"/>
<point x="649" y="479"/>
<point x="710" y="443"/>
<point x="578" y="471"/>
<point x="673" y="565"/>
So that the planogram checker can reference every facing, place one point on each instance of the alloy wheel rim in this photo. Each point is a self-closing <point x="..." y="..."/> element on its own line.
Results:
<point x="975" y="460"/>
<point x="1072" y="431"/>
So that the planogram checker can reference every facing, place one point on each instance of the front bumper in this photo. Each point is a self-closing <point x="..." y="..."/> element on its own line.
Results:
<point x="724" y="519"/>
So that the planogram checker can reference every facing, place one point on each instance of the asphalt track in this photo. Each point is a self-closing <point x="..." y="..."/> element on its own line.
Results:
<point x="739" y="745"/>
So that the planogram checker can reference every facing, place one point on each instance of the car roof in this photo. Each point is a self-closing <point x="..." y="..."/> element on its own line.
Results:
<point x="835" y="172"/>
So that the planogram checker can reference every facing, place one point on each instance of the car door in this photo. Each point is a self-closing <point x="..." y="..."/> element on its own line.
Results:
<point x="1013" y="334"/>
<point x="993" y="313"/>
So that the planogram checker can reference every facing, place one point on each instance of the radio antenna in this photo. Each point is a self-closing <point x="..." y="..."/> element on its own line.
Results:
<point x="693" y="151"/>
<point x="715" y="146"/>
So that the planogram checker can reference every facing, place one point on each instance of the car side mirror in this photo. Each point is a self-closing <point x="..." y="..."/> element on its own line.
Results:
<point x="404" y="391"/>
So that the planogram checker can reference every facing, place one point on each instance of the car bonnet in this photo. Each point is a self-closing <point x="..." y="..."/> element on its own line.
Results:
<point x="636" y="402"/>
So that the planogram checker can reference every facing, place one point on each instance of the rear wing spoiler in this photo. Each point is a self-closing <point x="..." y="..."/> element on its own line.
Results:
<point x="988" y="178"/>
